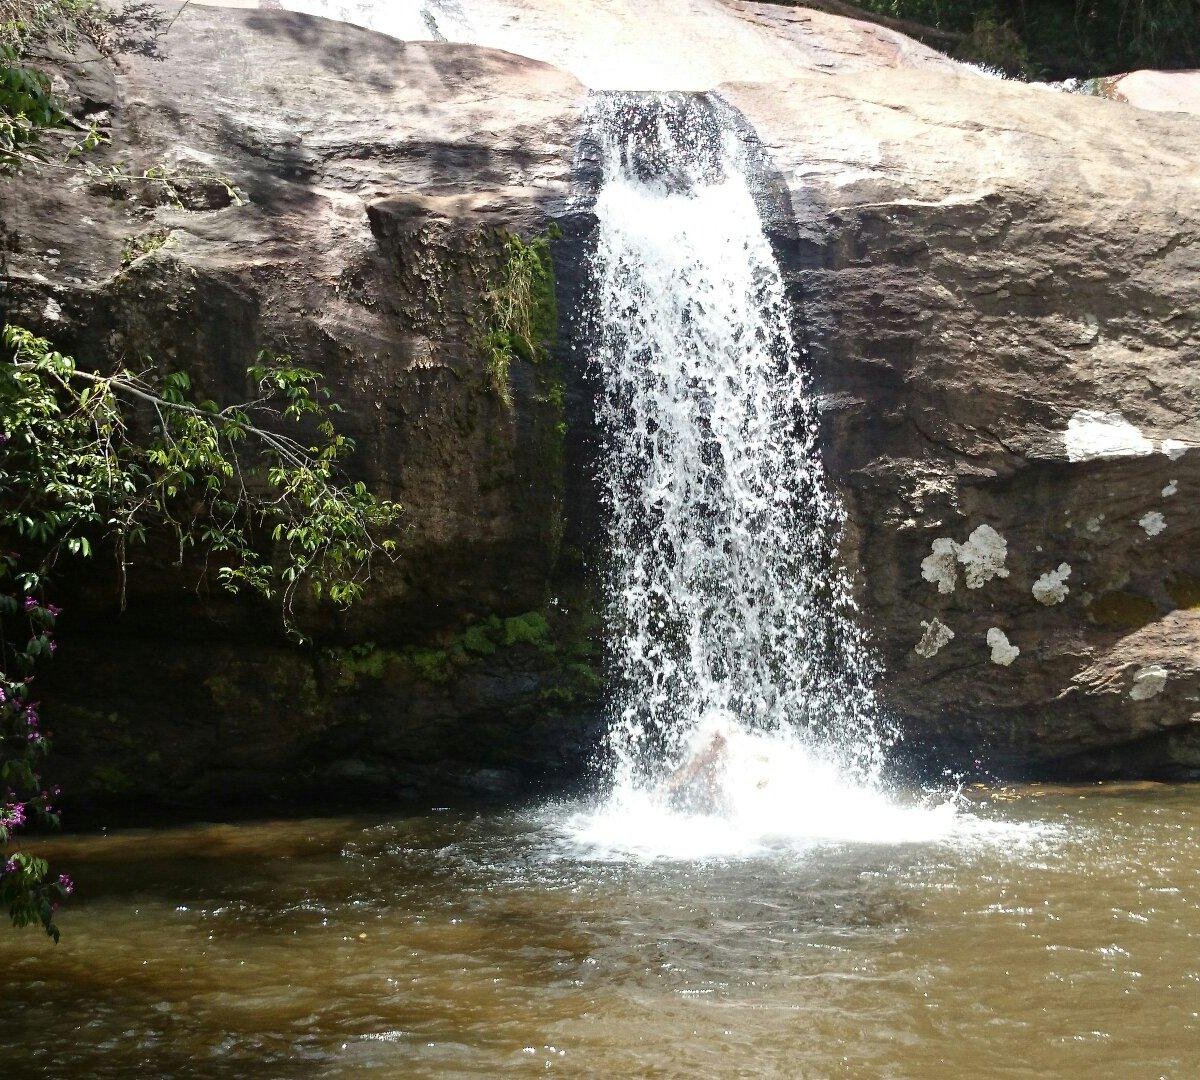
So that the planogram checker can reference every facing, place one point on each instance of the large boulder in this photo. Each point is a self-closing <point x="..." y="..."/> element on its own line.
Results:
<point x="998" y="283"/>
<point x="1162" y="91"/>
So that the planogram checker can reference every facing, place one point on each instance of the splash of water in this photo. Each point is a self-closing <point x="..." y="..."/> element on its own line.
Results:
<point x="744" y="705"/>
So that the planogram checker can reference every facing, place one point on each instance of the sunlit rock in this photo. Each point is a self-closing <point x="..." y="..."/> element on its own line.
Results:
<point x="1091" y="434"/>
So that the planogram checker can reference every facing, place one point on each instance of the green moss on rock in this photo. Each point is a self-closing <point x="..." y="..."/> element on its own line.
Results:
<point x="522" y="314"/>
<point x="479" y="639"/>
<point x="109" y="780"/>
<point x="363" y="661"/>
<point x="430" y="665"/>
<point x="1121" y="610"/>
<point x="1184" y="590"/>
<point x="528" y="629"/>
<point x="141" y="244"/>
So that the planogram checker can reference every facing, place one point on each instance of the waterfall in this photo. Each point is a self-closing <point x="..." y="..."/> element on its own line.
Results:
<point x="737" y="651"/>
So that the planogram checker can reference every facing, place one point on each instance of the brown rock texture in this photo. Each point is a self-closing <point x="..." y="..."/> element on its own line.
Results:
<point x="378" y="183"/>
<point x="995" y="276"/>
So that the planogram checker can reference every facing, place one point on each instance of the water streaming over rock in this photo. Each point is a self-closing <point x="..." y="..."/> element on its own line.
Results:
<point x="737" y="651"/>
<point x="409" y="20"/>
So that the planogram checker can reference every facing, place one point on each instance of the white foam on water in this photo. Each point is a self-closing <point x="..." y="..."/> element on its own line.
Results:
<point x="775" y="795"/>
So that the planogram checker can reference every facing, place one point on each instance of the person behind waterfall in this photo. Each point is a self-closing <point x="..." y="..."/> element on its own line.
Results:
<point x="697" y="785"/>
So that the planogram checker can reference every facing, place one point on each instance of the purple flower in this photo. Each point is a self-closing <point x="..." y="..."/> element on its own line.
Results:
<point x="13" y="815"/>
<point x="30" y="603"/>
<point x="10" y="867"/>
<point x="68" y="886"/>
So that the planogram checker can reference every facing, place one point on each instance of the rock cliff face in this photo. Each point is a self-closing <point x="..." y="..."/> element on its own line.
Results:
<point x="383" y="190"/>
<point x="999" y="283"/>
<point x="996" y="284"/>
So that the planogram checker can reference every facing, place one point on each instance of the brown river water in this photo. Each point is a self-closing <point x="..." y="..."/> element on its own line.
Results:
<point x="479" y="944"/>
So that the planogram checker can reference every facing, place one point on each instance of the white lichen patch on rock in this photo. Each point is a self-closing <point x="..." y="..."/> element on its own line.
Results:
<point x="941" y="568"/>
<point x="1003" y="652"/>
<point x="1153" y="523"/>
<point x="936" y="635"/>
<point x="1174" y="449"/>
<point x="981" y="558"/>
<point x="1093" y="435"/>
<point x="1171" y="488"/>
<point x="1093" y="523"/>
<point x="1148" y="682"/>
<point x="1051" y="587"/>
<point x="1090" y="329"/>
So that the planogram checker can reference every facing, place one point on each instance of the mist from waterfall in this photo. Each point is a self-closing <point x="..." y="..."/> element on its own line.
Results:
<point x="737" y="651"/>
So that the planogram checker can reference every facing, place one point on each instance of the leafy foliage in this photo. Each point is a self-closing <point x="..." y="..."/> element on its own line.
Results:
<point x="1063" y="38"/>
<point x="28" y="30"/>
<point x="114" y="460"/>
<point x="34" y="24"/>
<point x="36" y="130"/>
<point x="119" y="455"/>
<point x="522" y="313"/>
<point x="27" y="106"/>
<point x="26" y="888"/>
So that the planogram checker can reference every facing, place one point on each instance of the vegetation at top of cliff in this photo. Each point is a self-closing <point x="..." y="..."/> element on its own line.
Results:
<point x="252" y="490"/>
<point x="37" y="127"/>
<point x="1051" y="39"/>
<point x="31" y="31"/>
<point x="35" y="24"/>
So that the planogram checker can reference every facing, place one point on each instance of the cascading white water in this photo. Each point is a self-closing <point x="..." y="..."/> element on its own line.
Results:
<point x="731" y="618"/>
<point x="728" y="605"/>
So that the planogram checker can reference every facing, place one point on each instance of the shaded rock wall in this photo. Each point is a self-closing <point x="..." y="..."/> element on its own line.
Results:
<point x="383" y="187"/>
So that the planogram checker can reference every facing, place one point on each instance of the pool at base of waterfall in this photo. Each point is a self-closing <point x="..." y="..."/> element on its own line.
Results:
<point x="1044" y="932"/>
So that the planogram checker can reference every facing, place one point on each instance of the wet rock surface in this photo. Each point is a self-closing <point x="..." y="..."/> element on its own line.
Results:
<point x="344" y="198"/>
